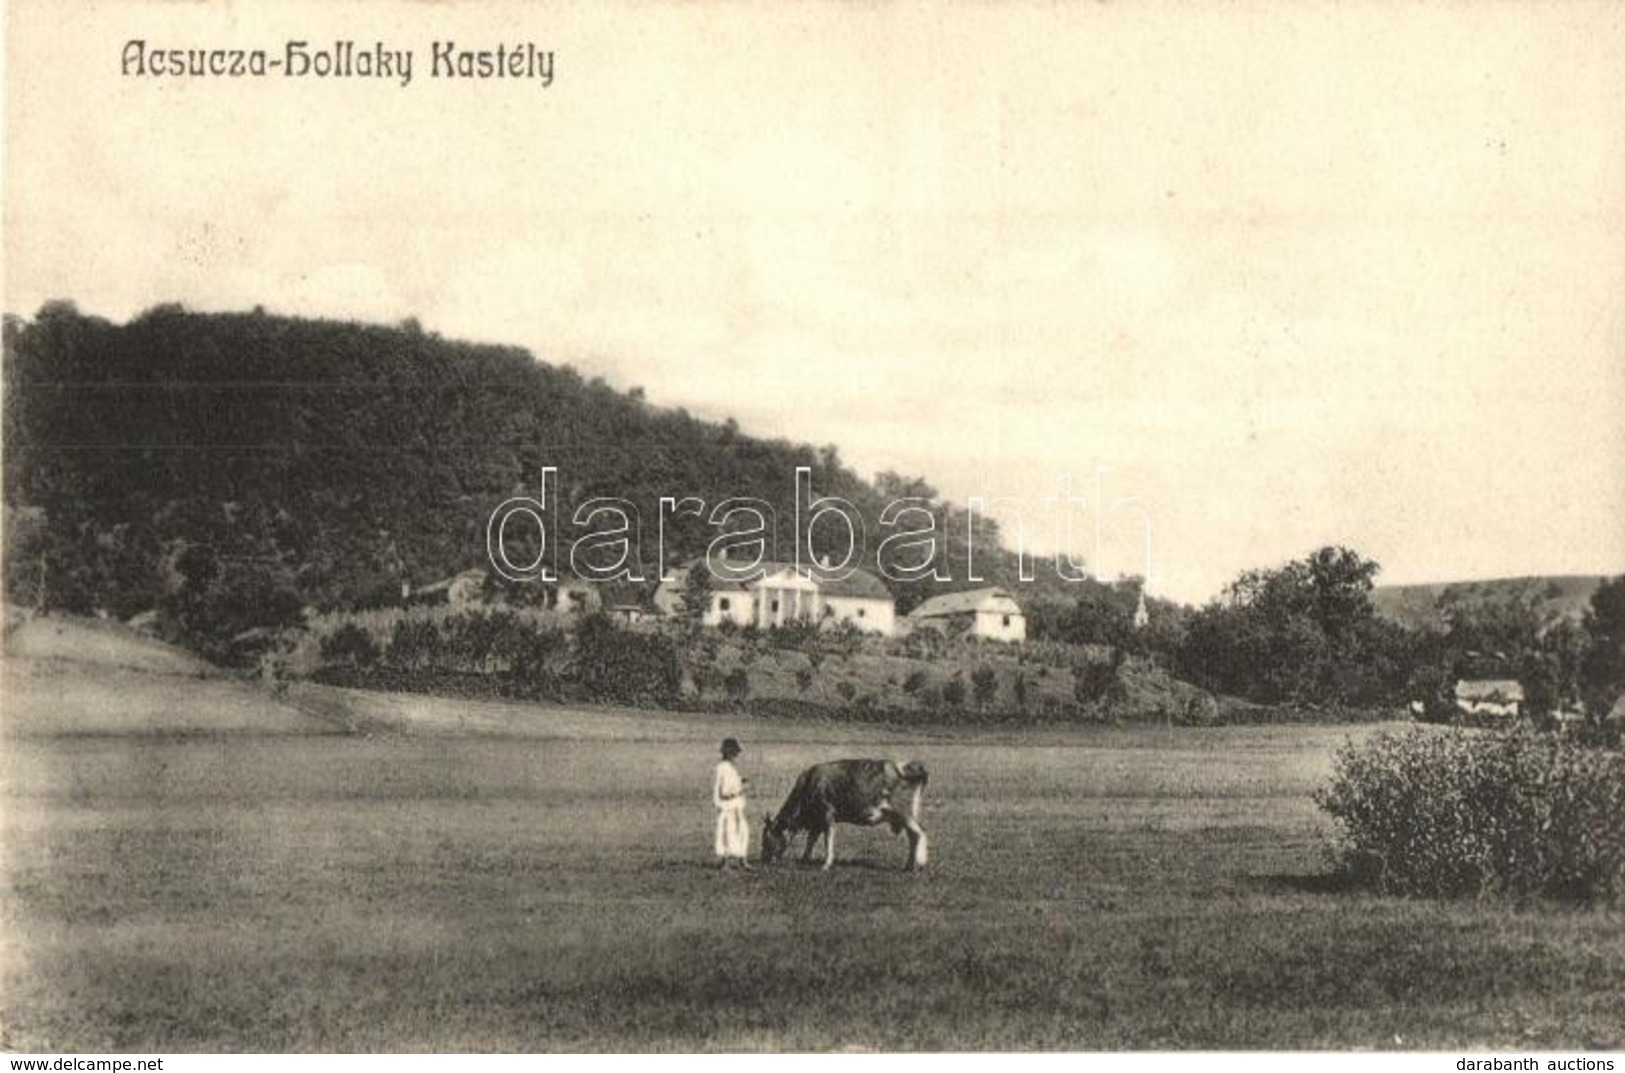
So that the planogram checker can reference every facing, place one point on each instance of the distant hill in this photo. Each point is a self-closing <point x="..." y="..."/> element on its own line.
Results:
<point x="1417" y="606"/>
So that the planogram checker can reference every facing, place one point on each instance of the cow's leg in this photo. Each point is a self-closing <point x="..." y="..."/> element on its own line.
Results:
<point x="807" y="851"/>
<point x="829" y="847"/>
<point x="918" y="844"/>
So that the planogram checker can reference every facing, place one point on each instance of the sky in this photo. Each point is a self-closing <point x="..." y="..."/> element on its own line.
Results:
<point x="1268" y="276"/>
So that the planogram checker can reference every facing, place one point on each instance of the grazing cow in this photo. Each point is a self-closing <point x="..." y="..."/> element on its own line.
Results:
<point x="847" y="791"/>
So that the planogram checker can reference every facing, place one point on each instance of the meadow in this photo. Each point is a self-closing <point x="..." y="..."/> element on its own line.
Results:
<point x="196" y="864"/>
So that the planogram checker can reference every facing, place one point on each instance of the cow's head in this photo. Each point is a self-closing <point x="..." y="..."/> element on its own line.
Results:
<point x="774" y="840"/>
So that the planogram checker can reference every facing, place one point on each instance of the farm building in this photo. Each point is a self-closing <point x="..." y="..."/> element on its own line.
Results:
<point x="782" y="594"/>
<point x="625" y="602"/>
<point x="992" y="613"/>
<point x="1490" y="696"/>
<point x="862" y="600"/>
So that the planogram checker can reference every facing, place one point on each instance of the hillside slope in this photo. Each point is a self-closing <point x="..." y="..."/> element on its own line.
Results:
<point x="294" y="461"/>
<point x="1419" y="606"/>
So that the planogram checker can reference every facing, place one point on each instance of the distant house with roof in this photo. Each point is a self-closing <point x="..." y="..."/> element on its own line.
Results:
<point x="781" y="594"/>
<point x="861" y="599"/>
<point x="1490" y="696"/>
<point x="991" y="612"/>
<point x="625" y="602"/>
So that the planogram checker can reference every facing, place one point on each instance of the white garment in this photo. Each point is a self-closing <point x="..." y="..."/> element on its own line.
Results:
<point x="728" y="795"/>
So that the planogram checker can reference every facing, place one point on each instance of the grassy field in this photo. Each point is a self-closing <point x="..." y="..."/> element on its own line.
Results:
<point x="196" y="865"/>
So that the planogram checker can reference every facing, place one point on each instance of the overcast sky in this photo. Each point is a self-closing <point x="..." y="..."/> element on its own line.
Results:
<point x="1291" y="274"/>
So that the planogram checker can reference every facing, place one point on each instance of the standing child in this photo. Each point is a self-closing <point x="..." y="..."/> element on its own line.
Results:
<point x="728" y="795"/>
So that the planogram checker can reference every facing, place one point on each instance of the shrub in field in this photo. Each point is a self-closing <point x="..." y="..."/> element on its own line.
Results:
<point x="1094" y="682"/>
<point x="1441" y="813"/>
<point x="414" y="645"/>
<point x="926" y="644"/>
<point x="469" y="639"/>
<point x="352" y="645"/>
<point x="984" y="685"/>
<point x="525" y="650"/>
<point x="798" y="635"/>
<point x="626" y="666"/>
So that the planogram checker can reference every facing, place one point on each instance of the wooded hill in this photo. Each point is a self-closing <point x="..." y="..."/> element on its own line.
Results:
<point x="1431" y="607"/>
<point x="287" y="462"/>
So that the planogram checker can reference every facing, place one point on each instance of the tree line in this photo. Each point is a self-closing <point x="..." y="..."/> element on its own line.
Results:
<point x="230" y="472"/>
<point x="1307" y="634"/>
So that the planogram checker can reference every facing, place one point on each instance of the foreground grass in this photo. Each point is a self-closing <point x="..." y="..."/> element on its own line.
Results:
<point x="307" y="892"/>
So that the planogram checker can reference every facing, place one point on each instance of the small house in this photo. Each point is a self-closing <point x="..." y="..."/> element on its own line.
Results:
<point x="625" y="602"/>
<point x="991" y="612"/>
<point x="1501" y="697"/>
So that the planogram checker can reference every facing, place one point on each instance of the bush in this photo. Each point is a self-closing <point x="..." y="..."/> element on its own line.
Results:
<point x="414" y="645"/>
<point x="1443" y="813"/>
<point x="211" y="605"/>
<point x="626" y="666"/>
<point x="350" y="645"/>
<point x="1094" y="683"/>
<point x="797" y="634"/>
<point x="985" y="685"/>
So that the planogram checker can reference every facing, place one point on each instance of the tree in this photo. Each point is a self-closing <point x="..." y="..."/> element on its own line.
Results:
<point x="697" y="590"/>
<point x="984" y="686"/>
<point x="1303" y="633"/>
<point x="1495" y="622"/>
<point x="1341" y="581"/>
<point x="1095" y="682"/>
<point x="1602" y="668"/>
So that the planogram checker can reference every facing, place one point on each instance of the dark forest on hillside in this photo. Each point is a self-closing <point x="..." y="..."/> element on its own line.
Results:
<point x="328" y="462"/>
